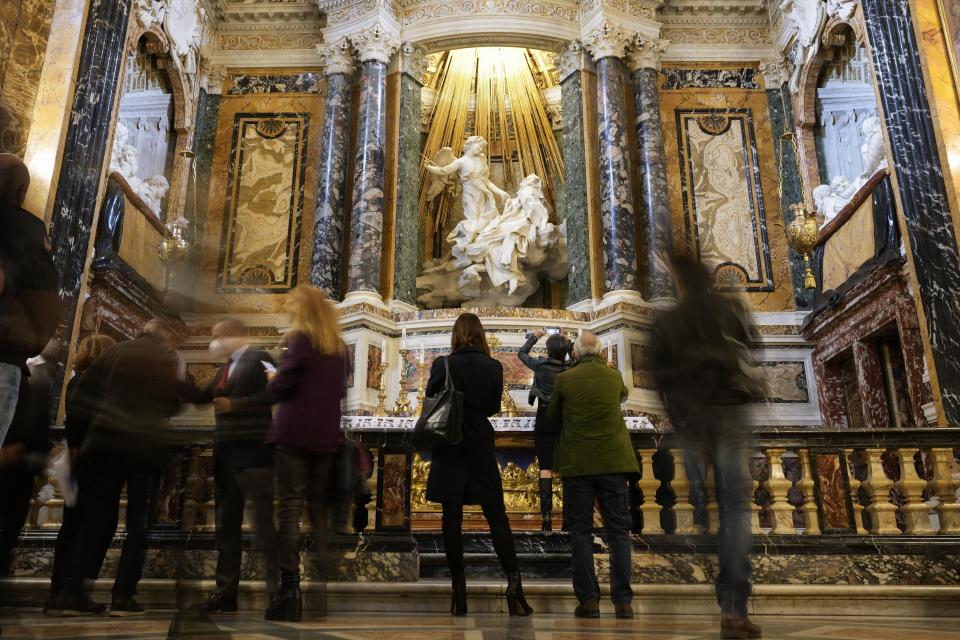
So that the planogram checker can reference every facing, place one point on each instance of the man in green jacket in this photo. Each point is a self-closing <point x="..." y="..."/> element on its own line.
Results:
<point x="595" y="457"/>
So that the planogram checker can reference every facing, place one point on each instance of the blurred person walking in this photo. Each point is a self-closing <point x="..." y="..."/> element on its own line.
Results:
<point x="546" y="433"/>
<point x="242" y="460"/>
<point x="29" y="306"/>
<point x="137" y="390"/>
<point x="79" y="408"/>
<point x="702" y="366"/>
<point x="467" y="473"/>
<point x="595" y="459"/>
<point x="309" y="386"/>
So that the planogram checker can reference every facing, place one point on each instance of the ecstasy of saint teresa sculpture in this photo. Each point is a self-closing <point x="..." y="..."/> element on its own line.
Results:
<point x="497" y="258"/>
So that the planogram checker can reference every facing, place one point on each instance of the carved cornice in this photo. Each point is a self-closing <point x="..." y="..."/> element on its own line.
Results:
<point x="608" y="40"/>
<point x="712" y="35"/>
<point x="413" y="61"/>
<point x="570" y="59"/>
<point x="646" y="53"/>
<point x="375" y="43"/>
<point x="337" y="57"/>
<point x="773" y="72"/>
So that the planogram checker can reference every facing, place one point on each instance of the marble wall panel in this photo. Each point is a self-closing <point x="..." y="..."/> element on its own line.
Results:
<point x="374" y="373"/>
<point x="408" y="190"/>
<point x="640" y="366"/>
<point x="733" y="78"/>
<point x="849" y="247"/>
<point x="832" y="488"/>
<point x="23" y="40"/>
<point x="575" y="191"/>
<point x="722" y="186"/>
<point x="307" y="82"/>
<point x="274" y="187"/>
<point x="393" y="509"/>
<point x="787" y="381"/>
<point x="352" y="357"/>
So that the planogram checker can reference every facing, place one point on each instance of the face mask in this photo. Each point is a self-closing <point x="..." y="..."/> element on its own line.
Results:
<point x="221" y="348"/>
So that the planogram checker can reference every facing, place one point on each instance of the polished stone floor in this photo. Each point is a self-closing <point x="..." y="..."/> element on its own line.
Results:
<point x="248" y="626"/>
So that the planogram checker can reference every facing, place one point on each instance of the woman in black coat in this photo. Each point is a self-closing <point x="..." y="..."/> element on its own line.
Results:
<point x="467" y="473"/>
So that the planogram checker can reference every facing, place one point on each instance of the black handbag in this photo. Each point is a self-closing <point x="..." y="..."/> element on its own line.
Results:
<point x="441" y="417"/>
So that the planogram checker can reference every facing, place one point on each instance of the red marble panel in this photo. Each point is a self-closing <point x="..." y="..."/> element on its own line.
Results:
<point x="834" y="512"/>
<point x="374" y="353"/>
<point x="393" y="497"/>
<point x="870" y="385"/>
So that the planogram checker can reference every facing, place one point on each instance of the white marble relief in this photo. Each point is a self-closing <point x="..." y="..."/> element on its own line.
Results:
<point x="124" y="159"/>
<point x="831" y="198"/>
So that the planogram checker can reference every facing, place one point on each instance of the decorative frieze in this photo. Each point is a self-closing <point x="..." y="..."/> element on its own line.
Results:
<point x="424" y="12"/>
<point x="742" y="78"/>
<point x="272" y="40"/>
<point x="715" y="35"/>
<point x="375" y="43"/>
<point x="646" y="53"/>
<point x="608" y="40"/>
<point x="337" y="57"/>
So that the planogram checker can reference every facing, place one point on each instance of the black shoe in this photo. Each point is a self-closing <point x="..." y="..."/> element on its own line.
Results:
<point x="286" y="606"/>
<point x="546" y="523"/>
<point x="458" y="604"/>
<point x="516" y="602"/>
<point x="80" y="605"/>
<point x="220" y="603"/>
<point x="126" y="607"/>
<point x="623" y="610"/>
<point x="588" y="609"/>
<point x="738" y="628"/>
<point x="52" y="607"/>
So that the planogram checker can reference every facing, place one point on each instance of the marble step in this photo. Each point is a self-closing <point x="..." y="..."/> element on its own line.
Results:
<point x="546" y="596"/>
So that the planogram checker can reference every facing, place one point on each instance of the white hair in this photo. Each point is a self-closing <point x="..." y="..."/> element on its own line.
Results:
<point x="587" y="344"/>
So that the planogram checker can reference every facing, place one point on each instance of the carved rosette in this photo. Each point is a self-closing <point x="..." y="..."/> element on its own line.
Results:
<point x="570" y="59"/>
<point x="608" y="40"/>
<point x="773" y="73"/>
<point x="336" y="57"/>
<point x="376" y="43"/>
<point x="414" y="61"/>
<point x="646" y="53"/>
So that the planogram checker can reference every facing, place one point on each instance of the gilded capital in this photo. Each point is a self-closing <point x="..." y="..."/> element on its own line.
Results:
<point x="646" y="53"/>
<point x="608" y="40"/>
<point x="570" y="59"/>
<point x="375" y="43"/>
<point x="413" y="61"/>
<point x="773" y="73"/>
<point x="336" y="57"/>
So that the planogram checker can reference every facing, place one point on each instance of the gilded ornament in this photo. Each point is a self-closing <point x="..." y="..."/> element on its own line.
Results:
<point x="802" y="234"/>
<point x="271" y="128"/>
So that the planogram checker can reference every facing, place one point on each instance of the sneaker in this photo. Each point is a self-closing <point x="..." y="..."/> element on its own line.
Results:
<point x="739" y="628"/>
<point x="588" y="609"/>
<point x="82" y="605"/>
<point x="623" y="610"/>
<point x="220" y="603"/>
<point x="125" y="607"/>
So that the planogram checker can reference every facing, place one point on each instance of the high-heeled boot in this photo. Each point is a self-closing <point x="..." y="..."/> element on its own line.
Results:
<point x="458" y="605"/>
<point x="287" y="605"/>
<point x="516" y="601"/>
<point x="546" y="503"/>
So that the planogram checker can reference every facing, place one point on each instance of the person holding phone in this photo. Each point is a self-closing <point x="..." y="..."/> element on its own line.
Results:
<point x="242" y="460"/>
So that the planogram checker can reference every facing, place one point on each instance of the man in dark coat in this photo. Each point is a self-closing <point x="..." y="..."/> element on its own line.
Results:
<point x="242" y="461"/>
<point x="702" y="366"/>
<point x="128" y="444"/>
<point x="29" y="306"/>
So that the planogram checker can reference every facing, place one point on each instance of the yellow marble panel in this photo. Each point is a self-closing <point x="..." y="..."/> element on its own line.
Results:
<point x="20" y="74"/>
<point x="139" y="244"/>
<point x="255" y="198"/>
<point x="849" y="247"/>
<point x="726" y="196"/>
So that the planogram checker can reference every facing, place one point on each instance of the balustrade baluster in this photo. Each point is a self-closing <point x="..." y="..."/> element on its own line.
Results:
<point x="683" y="509"/>
<point x="883" y="513"/>
<point x="915" y="511"/>
<point x="711" y="505"/>
<point x="779" y="485"/>
<point x="945" y="488"/>
<point x="757" y="479"/>
<point x="855" y="484"/>
<point x="648" y="485"/>
<point x="811" y="517"/>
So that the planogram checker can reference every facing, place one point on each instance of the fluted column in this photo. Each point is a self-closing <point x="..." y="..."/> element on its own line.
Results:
<point x="608" y="45"/>
<point x="655" y="232"/>
<point x="325" y="269"/>
<point x="374" y="49"/>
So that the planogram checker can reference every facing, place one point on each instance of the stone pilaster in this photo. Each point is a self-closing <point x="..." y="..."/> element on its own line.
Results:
<point x="608" y="45"/>
<point x="84" y="150"/>
<point x="923" y="196"/>
<point x="655" y="235"/>
<point x="779" y="105"/>
<point x="375" y="47"/>
<point x="413" y="65"/>
<point x="575" y="169"/>
<point x="327" y="256"/>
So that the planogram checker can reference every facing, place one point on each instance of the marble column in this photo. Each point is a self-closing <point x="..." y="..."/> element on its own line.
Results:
<point x="608" y="46"/>
<point x="780" y="107"/>
<point x="85" y="148"/>
<point x="375" y="48"/>
<point x="326" y="267"/>
<point x="655" y="236"/>
<point x="413" y="65"/>
<point x="574" y="201"/>
<point x="923" y="195"/>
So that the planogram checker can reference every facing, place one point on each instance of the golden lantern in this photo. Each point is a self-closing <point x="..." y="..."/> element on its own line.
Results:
<point x="174" y="247"/>
<point x="802" y="235"/>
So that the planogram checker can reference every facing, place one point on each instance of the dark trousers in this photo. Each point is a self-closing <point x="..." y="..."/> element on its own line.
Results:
<point x="99" y="505"/>
<point x="496" y="515"/>
<point x="233" y="488"/>
<point x="303" y="482"/>
<point x="16" y="488"/>
<point x="579" y="495"/>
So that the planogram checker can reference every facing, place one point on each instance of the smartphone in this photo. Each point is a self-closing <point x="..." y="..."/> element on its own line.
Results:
<point x="550" y="331"/>
<point x="269" y="368"/>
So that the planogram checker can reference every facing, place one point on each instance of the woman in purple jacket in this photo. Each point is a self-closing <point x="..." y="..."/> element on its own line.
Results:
<point x="308" y="387"/>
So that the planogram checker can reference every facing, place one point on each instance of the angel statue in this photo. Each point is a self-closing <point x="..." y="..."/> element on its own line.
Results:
<point x="496" y="258"/>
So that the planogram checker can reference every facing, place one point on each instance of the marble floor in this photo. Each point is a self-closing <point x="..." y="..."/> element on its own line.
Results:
<point x="157" y="625"/>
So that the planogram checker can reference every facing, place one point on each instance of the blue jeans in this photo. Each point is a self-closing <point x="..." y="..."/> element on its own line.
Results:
<point x="579" y="495"/>
<point x="730" y="457"/>
<point x="10" y="375"/>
